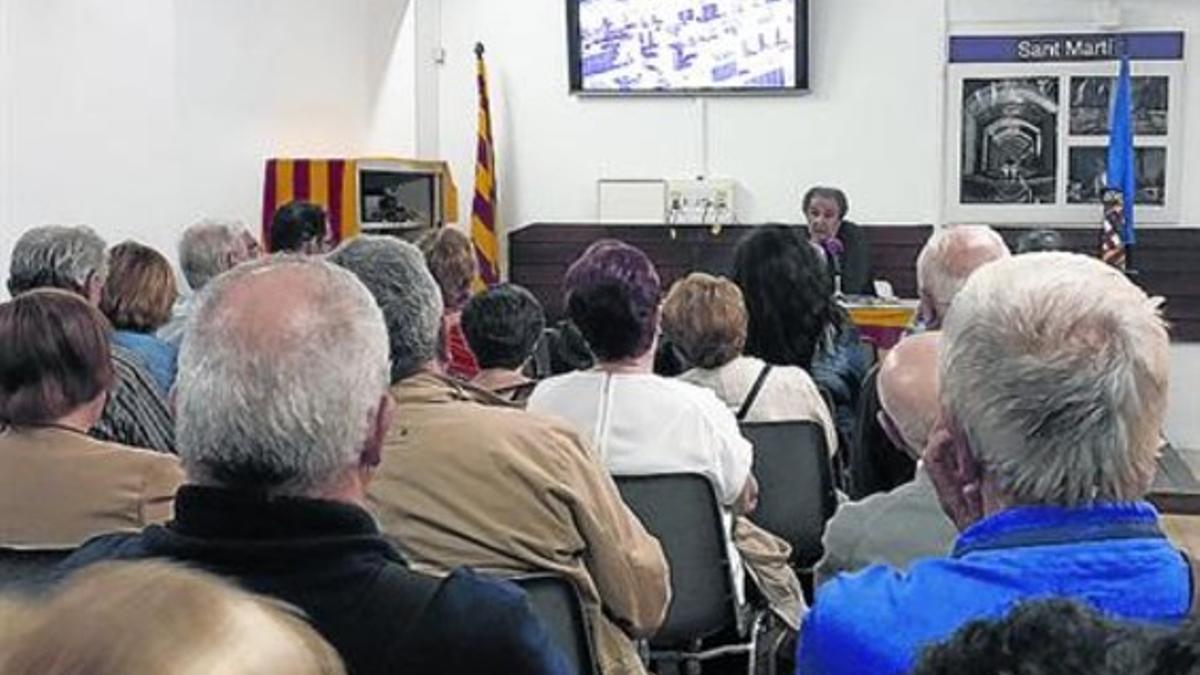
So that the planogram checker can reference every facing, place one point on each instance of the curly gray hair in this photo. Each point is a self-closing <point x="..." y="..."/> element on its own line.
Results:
<point x="57" y="256"/>
<point x="395" y="273"/>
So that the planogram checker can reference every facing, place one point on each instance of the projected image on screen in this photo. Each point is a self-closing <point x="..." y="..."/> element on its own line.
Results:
<point x="654" y="45"/>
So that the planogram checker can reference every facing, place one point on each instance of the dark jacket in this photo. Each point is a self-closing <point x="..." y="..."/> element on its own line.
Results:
<point x="857" y="277"/>
<point x="329" y="560"/>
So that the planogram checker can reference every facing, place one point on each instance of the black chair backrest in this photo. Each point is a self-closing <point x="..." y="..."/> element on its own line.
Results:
<point x="683" y="512"/>
<point x="26" y="570"/>
<point x="875" y="463"/>
<point x="795" y="484"/>
<point x="556" y="602"/>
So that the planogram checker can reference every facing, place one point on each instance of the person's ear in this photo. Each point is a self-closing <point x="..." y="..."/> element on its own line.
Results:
<point x="372" y="454"/>
<point x="94" y="289"/>
<point x="927" y="310"/>
<point x="954" y="472"/>
<point x="893" y="434"/>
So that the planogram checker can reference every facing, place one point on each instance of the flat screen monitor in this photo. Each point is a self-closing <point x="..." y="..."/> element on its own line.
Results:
<point x="395" y="198"/>
<point x="687" y="46"/>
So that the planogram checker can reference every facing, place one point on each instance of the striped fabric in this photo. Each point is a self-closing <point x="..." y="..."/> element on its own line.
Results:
<point x="328" y="182"/>
<point x="484" y="233"/>
<point x="135" y="414"/>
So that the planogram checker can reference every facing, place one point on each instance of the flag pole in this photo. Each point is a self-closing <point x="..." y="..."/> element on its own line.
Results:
<point x="485" y="227"/>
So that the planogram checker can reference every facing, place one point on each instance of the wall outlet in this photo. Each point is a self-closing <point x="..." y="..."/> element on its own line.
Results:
<point x="701" y="202"/>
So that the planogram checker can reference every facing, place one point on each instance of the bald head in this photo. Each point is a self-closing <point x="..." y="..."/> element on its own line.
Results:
<point x="946" y="262"/>
<point x="908" y="389"/>
<point x="282" y="373"/>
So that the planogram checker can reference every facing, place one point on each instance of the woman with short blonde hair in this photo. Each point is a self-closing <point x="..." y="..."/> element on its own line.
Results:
<point x="705" y="317"/>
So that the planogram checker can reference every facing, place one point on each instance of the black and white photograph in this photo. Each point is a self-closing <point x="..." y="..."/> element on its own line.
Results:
<point x="1086" y="175"/>
<point x="1091" y="105"/>
<point x="1010" y="140"/>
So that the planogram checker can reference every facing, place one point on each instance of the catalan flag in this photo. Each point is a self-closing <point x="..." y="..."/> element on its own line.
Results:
<point x="484" y="221"/>
<point x="328" y="182"/>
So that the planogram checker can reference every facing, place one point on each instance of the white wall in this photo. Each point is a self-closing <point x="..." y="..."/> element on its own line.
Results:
<point x="868" y="55"/>
<point x="872" y="124"/>
<point x="140" y="116"/>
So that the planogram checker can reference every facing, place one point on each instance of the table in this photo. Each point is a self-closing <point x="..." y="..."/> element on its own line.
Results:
<point x="882" y="323"/>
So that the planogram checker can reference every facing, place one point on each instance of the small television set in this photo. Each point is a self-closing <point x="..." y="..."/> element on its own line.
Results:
<point x="396" y="197"/>
<point x="687" y="46"/>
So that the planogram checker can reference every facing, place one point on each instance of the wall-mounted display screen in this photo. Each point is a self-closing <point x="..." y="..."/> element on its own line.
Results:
<point x="687" y="46"/>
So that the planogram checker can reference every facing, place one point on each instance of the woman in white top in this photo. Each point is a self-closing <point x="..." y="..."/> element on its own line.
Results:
<point x="706" y="320"/>
<point x="641" y="423"/>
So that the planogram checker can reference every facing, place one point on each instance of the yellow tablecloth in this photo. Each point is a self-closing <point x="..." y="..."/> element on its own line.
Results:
<point x="883" y="324"/>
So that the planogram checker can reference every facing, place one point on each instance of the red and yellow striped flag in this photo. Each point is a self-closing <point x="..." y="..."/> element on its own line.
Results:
<point x="328" y="182"/>
<point x="484" y="220"/>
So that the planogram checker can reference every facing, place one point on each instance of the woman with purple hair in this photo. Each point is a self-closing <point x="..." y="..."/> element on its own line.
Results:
<point x="640" y="423"/>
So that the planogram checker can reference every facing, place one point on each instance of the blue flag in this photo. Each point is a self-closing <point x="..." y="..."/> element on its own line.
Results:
<point x="1121" y="173"/>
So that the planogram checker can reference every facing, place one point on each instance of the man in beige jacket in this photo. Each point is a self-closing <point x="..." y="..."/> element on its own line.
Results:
<point x="467" y="479"/>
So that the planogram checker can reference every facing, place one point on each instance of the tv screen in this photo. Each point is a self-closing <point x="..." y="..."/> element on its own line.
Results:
<point x="687" y="46"/>
<point x="391" y="199"/>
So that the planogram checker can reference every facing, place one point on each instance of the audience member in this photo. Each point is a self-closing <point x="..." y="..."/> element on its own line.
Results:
<point x="283" y="407"/>
<point x="1051" y="637"/>
<point x="502" y="326"/>
<point x="794" y="319"/>
<point x="149" y="617"/>
<point x="58" y="487"/>
<point x="207" y="249"/>
<point x="466" y="479"/>
<point x="300" y="227"/>
<point x="75" y="259"/>
<point x="945" y="263"/>
<point x="1040" y="241"/>
<point x="1053" y="374"/>
<point x="138" y="295"/>
<point x="843" y="243"/>
<point x="705" y="318"/>
<point x="907" y="523"/>
<point x="642" y="423"/>
<point x="451" y="259"/>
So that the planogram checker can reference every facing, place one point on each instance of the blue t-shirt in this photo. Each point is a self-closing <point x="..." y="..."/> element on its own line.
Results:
<point x="1112" y="557"/>
<point x="157" y="356"/>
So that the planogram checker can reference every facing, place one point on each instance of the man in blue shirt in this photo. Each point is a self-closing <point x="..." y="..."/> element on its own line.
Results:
<point x="1054" y="379"/>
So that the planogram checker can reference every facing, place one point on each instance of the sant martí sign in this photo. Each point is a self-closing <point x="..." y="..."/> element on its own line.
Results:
<point x="1057" y="48"/>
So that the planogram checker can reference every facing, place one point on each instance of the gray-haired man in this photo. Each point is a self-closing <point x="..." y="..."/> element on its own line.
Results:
<point x="1053" y="382"/>
<point x="283" y="407"/>
<point x="207" y="249"/>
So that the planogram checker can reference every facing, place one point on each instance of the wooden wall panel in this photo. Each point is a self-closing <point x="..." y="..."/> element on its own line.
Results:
<point x="1168" y="260"/>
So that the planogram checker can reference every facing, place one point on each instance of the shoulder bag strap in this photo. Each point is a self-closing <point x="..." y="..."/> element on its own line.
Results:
<point x="758" y="385"/>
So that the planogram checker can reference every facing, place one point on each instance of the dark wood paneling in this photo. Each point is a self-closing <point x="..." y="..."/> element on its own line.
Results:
<point x="1168" y="260"/>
